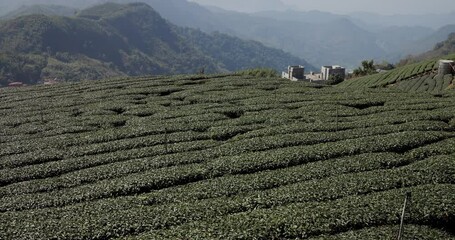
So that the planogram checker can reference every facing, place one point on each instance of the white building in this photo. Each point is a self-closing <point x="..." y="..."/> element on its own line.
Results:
<point x="328" y="71"/>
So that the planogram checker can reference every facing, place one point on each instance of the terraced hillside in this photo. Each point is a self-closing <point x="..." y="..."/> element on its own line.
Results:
<point x="417" y="77"/>
<point x="224" y="157"/>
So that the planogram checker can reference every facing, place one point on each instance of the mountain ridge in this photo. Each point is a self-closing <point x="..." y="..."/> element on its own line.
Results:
<point x="440" y="50"/>
<point x="312" y="35"/>
<point x="51" y="10"/>
<point x="130" y="39"/>
<point x="298" y="32"/>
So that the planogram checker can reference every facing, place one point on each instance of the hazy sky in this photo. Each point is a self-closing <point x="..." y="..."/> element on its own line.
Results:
<point x="340" y="6"/>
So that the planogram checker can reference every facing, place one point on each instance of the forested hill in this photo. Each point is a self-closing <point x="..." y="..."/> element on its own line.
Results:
<point x="116" y="40"/>
<point x="440" y="50"/>
<point x="55" y="10"/>
<point x="443" y="48"/>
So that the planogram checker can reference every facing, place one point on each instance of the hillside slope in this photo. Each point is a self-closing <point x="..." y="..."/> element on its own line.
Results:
<point x="319" y="37"/>
<point x="224" y="157"/>
<point x="335" y="41"/>
<point x="7" y="6"/>
<point x="117" y="40"/>
<point x="421" y="76"/>
<point x="440" y="50"/>
<point x="427" y="43"/>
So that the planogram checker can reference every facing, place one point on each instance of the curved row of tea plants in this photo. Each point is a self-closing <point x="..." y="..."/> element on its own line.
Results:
<point x="224" y="157"/>
<point x="413" y="77"/>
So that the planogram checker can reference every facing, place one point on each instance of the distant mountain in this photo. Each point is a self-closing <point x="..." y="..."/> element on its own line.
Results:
<point x="50" y="10"/>
<point x="249" y="6"/>
<point x="187" y="14"/>
<point x="116" y="40"/>
<point x="426" y="43"/>
<point x="315" y="17"/>
<point x="333" y="42"/>
<point x="319" y="37"/>
<point x="440" y="50"/>
<point x="336" y="40"/>
<point x="400" y="41"/>
<point x="424" y="20"/>
<point x="443" y="48"/>
<point x="7" y="6"/>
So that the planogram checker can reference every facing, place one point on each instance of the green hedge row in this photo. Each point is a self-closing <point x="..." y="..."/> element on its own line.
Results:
<point x="311" y="197"/>
<point x="238" y="164"/>
<point x="389" y="232"/>
<point x="303" y="220"/>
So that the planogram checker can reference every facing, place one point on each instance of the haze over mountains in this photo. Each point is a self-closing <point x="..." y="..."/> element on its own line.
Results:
<point x="441" y="49"/>
<point x="319" y="37"/>
<point x="119" y="40"/>
<point x="245" y="6"/>
<point x="315" y="38"/>
<point x="384" y="7"/>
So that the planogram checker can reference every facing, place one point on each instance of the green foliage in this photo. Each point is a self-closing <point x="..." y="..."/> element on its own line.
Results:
<point x="367" y="68"/>
<point x="24" y="68"/>
<point x="335" y="79"/>
<point x="223" y="157"/>
<point x="380" y="232"/>
<point x="431" y="83"/>
<point x="42" y="9"/>
<point x="100" y="11"/>
<point x="260" y="72"/>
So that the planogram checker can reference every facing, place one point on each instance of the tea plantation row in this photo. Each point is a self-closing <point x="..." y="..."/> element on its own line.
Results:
<point x="420" y="77"/>
<point x="224" y="157"/>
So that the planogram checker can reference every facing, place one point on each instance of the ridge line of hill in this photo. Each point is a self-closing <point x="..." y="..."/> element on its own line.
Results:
<point x="112" y="39"/>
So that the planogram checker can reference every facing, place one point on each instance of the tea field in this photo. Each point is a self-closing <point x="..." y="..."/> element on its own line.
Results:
<point x="418" y="77"/>
<point x="224" y="157"/>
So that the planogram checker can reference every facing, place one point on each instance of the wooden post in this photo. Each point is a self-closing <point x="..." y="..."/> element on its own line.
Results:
<point x="406" y="200"/>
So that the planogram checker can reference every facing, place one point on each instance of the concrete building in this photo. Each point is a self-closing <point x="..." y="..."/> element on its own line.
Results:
<point x="313" y="77"/>
<point x="328" y="71"/>
<point x="446" y="67"/>
<point x="295" y="73"/>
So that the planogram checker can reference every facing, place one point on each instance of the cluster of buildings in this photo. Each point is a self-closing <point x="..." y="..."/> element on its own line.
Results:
<point x="297" y="73"/>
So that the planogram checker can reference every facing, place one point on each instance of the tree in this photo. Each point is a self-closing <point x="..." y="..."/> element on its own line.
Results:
<point x="335" y="79"/>
<point x="367" y="68"/>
